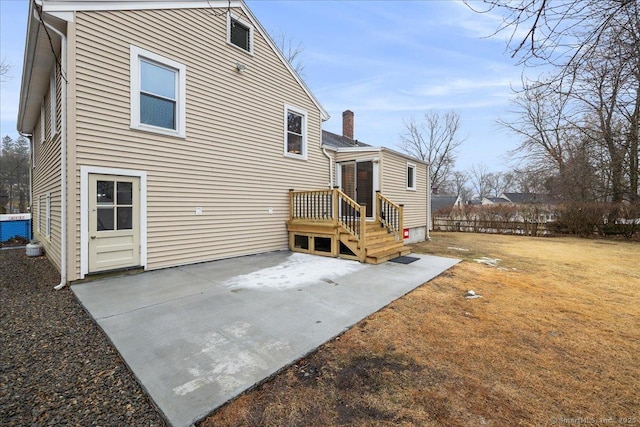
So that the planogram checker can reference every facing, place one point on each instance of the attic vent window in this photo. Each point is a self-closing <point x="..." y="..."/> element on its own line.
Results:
<point x="240" y="34"/>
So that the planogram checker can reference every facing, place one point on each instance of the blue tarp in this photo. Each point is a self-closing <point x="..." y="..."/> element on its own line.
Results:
<point x="10" y="229"/>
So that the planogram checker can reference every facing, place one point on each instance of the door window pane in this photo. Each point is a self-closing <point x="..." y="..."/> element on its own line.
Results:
<point x="105" y="219"/>
<point x="125" y="193"/>
<point x="105" y="192"/>
<point x="125" y="218"/>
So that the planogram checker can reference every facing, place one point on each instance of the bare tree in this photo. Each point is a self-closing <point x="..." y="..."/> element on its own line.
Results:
<point x="459" y="186"/>
<point x="434" y="140"/>
<point x="292" y="51"/>
<point x="479" y="178"/>
<point x="555" y="32"/>
<point x="499" y="183"/>
<point x="4" y="70"/>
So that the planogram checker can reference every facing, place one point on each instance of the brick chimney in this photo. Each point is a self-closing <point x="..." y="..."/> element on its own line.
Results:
<point x="347" y="124"/>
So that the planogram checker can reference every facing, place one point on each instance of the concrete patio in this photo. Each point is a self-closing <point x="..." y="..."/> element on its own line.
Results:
<point x="196" y="336"/>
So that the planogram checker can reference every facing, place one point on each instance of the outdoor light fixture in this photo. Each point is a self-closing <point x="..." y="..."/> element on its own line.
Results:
<point x="240" y="67"/>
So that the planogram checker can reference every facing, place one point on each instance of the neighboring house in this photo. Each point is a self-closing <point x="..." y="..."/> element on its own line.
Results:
<point x="169" y="133"/>
<point x="495" y="201"/>
<point x="443" y="204"/>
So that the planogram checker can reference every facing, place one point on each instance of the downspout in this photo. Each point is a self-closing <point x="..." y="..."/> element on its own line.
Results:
<point x="428" y="201"/>
<point x="31" y="164"/>
<point x="63" y="158"/>
<point x="324" y="150"/>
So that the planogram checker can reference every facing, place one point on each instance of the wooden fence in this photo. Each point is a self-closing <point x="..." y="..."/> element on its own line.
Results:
<point x="491" y="226"/>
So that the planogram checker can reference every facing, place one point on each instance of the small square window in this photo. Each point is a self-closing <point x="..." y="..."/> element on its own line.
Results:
<point x="240" y="33"/>
<point x="411" y="176"/>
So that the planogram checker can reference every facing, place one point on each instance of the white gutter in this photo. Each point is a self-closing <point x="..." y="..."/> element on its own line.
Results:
<point x="63" y="157"/>
<point x="324" y="150"/>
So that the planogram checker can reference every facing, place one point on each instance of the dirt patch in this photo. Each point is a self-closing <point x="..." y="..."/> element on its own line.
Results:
<point x="554" y="338"/>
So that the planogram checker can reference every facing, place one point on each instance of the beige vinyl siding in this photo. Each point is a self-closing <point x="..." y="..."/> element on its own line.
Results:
<point x="46" y="179"/>
<point x="394" y="186"/>
<point x="231" y="164"/>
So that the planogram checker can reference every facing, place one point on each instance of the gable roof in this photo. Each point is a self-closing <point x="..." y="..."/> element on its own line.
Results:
<point x="442" y="203"/>
<point x="496" y="200"/>
<point x="38" y="57"/>
<point x="339" y="141"/>
<point x="523" y="198"/>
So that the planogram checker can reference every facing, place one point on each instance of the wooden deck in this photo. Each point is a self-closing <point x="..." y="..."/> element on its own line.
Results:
<point x="328" y="223"/>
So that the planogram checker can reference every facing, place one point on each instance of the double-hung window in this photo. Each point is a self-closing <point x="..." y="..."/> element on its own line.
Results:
<point x="411" y="176"/>
<point x="158" y="98"/>
<point x="295" y="144"/>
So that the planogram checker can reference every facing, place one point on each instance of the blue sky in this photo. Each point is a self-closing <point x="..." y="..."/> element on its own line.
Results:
<point x="387" y="61"/>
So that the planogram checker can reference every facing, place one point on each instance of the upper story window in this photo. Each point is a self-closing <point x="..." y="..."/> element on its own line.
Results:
<point x="240" y="33"/>
<point x="296" y="134"/>
<point x="411" y="176"/>
<point x="158" y="93"/>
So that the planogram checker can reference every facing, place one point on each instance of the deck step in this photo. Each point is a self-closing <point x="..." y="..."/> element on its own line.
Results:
<point x="376" y="250"/>
<point x="386" y="256"/>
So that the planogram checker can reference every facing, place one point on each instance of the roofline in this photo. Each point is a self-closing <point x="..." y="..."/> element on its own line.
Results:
<point x="406" y="156"/>
<point x="69" y="6"/>
<point x="323" y="113"/>
<point x="27" y="61"/>
<point x="372" y="149"/>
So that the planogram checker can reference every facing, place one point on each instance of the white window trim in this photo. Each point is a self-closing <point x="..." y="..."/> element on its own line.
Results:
<point x="42" y="124"/>
<point x="237" y="18"/>
<point x="53" y="103"/>
<point x="136" y="54"/>
<point x="47" y="224"/>
<point x="411" y="166"/>
<point x="38" y="213"/>
<point x="304" y="147"/>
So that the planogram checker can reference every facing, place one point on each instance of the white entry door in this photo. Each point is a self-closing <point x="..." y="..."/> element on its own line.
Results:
<point x="114" y="222"/>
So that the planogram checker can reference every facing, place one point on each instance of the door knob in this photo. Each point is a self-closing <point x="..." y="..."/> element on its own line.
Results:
<point x="93" y="237"/>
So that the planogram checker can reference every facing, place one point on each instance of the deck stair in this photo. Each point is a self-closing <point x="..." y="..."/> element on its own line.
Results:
<point x="329" y="223"/>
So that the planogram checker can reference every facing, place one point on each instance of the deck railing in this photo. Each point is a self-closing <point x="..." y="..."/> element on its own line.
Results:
<point x="328" y="206"/>
<point x="390" y="214"/>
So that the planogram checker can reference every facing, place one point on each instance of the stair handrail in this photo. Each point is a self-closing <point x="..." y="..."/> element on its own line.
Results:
<point x="390" y="214"/>
<point x="328" y="205"/>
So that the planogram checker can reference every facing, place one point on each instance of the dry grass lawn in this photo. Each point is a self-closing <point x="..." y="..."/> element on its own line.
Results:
<point x="555" y="339"/>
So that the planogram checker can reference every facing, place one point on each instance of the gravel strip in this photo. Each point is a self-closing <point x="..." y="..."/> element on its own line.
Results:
<point x="58" y="368"/>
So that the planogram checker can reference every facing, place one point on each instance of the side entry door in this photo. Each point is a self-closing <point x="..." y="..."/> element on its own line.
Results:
<point x="114" y="222"/>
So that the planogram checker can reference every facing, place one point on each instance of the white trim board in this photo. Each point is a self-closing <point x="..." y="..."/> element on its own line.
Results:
<point x="85" y="171"/>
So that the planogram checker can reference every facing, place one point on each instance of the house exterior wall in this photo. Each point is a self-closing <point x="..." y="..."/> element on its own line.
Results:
<point x="394" y="187"/>
<point x="231" y="163"/>
<point x="46" y="176"/>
